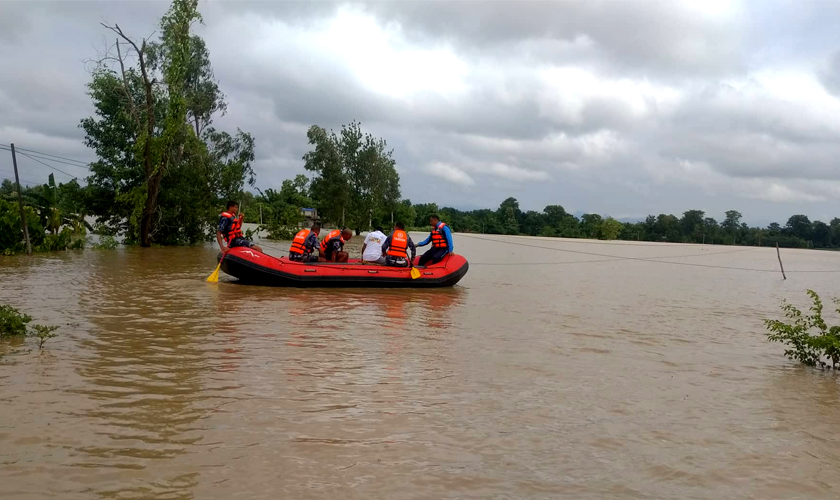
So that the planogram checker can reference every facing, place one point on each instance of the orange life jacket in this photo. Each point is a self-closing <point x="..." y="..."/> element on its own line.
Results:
<point x="399" y="244"/>
<point x="299" y="243"/>
<point x="438" y="238"/>
<point x="335" y="233"/>
<point x="235" y="230"/>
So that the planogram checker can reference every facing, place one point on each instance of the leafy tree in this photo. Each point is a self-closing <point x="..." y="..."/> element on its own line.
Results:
<point x="693" y="225"/>
<point x="532" y="223"/>
<point x="590" y="225"/>
<point x="821" y="234"/>
<point x="610" y="228"/>
<point x="356" y="177"/>
<point x="405" y="213"/>
<point x="835" y="232"/>
<point x="422" y="212"/>
<point x="799" y="226"/>
<point x="509" y="214"/>
<point x="162" y="170"/>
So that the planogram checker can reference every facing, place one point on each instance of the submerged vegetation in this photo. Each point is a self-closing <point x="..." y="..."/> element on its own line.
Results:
<point x="808" y="338"/>
<point x="13" y="323"/>
<point x="54" y="217"/>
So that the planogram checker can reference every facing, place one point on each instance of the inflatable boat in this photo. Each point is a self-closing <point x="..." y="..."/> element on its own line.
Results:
<point x="256" y="268"/>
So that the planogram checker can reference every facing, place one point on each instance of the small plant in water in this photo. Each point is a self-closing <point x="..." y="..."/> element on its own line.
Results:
<point x="43" y="333"/>
<point x="808" y="338"/>
<point x="14" y="323"/>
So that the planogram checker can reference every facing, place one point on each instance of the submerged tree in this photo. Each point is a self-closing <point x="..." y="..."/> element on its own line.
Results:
<point x="161" y="168"/>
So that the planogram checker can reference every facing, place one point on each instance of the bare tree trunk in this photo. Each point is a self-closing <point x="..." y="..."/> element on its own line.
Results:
<point x="154" y="175"/>
<point x="153" y="188"/>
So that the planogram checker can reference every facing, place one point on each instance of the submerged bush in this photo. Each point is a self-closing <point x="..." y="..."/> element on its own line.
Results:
<point x="808" y="338"/>
<point x="106" y="242"/>
<point x="14" y="323"/>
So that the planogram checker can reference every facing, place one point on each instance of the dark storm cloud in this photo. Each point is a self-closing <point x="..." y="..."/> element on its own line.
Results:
<point x="626" y="107"/>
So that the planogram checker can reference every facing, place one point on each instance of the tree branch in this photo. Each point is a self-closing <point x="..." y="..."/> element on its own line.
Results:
<point x="126" y="89"/>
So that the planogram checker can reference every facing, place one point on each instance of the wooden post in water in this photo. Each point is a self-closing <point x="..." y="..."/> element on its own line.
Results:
<point x="20" y="202"/>
<point x="779" y="255"/>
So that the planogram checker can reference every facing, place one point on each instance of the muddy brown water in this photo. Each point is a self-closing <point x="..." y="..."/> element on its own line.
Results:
<point x="613" y="379"/>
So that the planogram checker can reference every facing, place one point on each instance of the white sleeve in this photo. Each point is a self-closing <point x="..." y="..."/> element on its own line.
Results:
<point x="367" y="239"/>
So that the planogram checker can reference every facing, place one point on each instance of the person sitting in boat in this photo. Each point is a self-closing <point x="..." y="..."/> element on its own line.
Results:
<point x="441" y="240"/>
<point x="395" y="248"/>
<point x="230" y="228"/>
<point x="304" y="244"/>
<point x="372" y="248"/>
<point x="332" y="246"/>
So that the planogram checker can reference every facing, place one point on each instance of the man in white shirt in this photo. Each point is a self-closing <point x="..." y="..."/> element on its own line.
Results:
<point x="372" y="249"/>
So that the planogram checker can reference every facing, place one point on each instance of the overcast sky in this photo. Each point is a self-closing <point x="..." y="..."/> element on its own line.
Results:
<point x="623" y="108"/>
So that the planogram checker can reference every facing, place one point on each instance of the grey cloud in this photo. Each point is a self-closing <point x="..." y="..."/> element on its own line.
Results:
<point x="715" y="147"/>
<point x="830" y="75"/>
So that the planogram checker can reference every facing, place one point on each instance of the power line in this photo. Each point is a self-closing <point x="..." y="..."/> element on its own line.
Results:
<point x="615" y="259"/>
<point x="50" y="166"/>
<point x="48" y="159"/>
<point x="32" y="151"/>
<point x="640" y="259"/>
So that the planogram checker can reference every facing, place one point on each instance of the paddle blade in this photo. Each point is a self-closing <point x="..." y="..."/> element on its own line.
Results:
<point x="214" y="278"/>
<point x="414" y="273"/>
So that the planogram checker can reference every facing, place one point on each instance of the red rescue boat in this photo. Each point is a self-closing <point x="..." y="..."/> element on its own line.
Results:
<point x="257" y="268"/>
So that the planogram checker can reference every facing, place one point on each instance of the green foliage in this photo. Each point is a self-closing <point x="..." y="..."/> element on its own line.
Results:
<point x="43" y="333"/>
<point x="163" y="171"/>
<point x="281" y="210"/>
<point x="65" y="233"/>
<point x="106" y="242"/>
<point x="356" y="178"/>
<point x="15" y="323"/>
<point x="808" y="338"/>
<point x="610" y="228"/>
<point x="278" y="232"/>
<point x="12" y="321"/>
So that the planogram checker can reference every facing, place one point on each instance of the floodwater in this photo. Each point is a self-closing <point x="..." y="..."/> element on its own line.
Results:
<point x="612" y="379"/>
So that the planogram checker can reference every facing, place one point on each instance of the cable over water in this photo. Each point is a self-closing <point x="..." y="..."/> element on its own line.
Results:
<point x="657" y="260"/>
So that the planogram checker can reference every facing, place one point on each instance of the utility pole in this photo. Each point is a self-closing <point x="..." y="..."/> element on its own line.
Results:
<point x="20" y="202"/>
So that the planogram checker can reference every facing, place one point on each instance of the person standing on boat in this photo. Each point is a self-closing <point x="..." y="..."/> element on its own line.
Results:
<point x="372" y="248"/>
<point x="395" y="248"/>
<point x="230" y="229"/>
<point x="304" y="244"/>
<point x="441" y="240"/>
<point x="332" y="246"/>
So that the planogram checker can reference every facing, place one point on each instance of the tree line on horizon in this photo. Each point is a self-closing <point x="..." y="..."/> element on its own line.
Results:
<point x="692" y="227"/>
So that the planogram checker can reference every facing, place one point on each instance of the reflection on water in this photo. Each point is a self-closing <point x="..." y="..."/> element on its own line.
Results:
<point x="600" y="380"/>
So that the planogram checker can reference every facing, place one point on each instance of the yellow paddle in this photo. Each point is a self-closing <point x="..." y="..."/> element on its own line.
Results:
<point x="414" y="273"/>
<point x="214" y="278"/>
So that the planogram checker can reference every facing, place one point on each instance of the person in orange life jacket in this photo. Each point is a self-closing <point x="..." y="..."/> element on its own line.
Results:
<point x="304" y="244"/>
<point x="332" y="246"/>
<point x="230" y="229"/>
<point x="441" y="240"/>
<point x="395" y="248"/>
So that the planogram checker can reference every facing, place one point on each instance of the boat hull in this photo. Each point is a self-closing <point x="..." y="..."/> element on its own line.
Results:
<point x="256" y="268"/>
